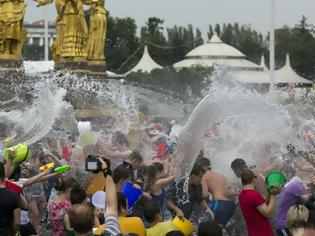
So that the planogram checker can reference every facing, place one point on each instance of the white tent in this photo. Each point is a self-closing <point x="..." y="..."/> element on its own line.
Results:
<point x="146" y="63"/>
<point x="216" y="52"/>
<point x="287" y="75"/>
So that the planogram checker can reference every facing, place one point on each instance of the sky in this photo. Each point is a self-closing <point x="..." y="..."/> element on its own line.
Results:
<point x="199" y="13"/>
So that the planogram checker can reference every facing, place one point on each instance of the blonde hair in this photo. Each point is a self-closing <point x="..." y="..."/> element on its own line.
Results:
<point x="297" y="216"/>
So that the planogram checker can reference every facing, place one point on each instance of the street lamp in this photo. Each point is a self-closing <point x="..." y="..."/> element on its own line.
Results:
<point x="272" y="45"/>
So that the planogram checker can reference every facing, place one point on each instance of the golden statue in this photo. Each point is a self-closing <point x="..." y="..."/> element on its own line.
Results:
<point x="72" y="32"/>
<point x="97" y="32"/>
<point x="12" y="33"/>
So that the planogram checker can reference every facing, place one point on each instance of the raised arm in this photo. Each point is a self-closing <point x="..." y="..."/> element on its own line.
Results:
<point x="164" y="182"/>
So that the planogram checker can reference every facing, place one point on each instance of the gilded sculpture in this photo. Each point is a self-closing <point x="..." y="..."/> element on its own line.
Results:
<point x="72" y="31"/>
<point x="12" y="32"/>
<point x="97" y="32"/>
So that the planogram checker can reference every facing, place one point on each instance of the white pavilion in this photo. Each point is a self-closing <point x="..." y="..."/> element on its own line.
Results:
<point x="146" y="63"/>
<point x="216" y="52"/>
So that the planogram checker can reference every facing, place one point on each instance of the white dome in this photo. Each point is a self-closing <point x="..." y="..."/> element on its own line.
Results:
<point x="215" y="48"/>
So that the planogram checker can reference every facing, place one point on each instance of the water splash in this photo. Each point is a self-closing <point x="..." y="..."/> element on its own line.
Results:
<point x="35" y="120"/>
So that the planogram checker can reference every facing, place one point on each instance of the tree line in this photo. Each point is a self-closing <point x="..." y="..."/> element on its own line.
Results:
<point x="124" y="47"/>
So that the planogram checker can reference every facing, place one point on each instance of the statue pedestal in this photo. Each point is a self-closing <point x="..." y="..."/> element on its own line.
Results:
<point x="97" y="69"/>
<point x="11" y="78"/>
<point x="78" y="68"/>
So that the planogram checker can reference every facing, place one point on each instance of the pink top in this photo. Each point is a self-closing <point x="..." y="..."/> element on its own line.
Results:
<point x="57" y="211"/>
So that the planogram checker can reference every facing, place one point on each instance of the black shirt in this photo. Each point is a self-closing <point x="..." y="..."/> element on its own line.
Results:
<point x="8" y="203"/>
<point x="179" y="197"/>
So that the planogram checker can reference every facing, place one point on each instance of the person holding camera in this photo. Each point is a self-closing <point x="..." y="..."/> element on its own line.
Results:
<point x="81" y="217"/>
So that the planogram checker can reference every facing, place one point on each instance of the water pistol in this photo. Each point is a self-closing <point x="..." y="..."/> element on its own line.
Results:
<point x="62" y="169"/>
<point x="47" y="166"/>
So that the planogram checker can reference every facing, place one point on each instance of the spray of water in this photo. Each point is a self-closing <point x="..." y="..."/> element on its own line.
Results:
<point x="34" y="121"/>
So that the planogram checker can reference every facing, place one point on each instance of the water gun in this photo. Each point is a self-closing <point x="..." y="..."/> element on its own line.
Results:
<point x="47" y="166"/>
<point x="62" y="169"/>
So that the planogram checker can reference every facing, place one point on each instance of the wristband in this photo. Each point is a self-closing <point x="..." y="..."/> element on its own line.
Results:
<point x="107" y="172"/>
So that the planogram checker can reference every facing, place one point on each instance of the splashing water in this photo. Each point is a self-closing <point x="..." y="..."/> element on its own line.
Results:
<point x="244" y="119"/>
<point x="34" y="121"/>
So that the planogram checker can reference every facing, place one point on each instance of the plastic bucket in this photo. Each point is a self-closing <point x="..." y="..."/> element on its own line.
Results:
<point x="22" y="153"/>
<point x="98" y="199"/>
<point x="15" y="187"/>
<point x="275" y="178"/>
<point x="184" y="226"/>
<point x="131" y="193"/>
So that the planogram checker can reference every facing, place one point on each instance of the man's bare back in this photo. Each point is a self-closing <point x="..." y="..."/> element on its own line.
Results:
<point x="218" y="185"/>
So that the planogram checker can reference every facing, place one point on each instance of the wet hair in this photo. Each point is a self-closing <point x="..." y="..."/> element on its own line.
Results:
<point x="152" y="172"/>
<point x="16" y="175"/>
<point x="238" y="164"/>
<point x="81" y="218"/>
<point x="203" y="162"/>
<point x="64" y="183"/>
<point x="158" y="166"/>
<point x="310" y="204"/>
<point x="209" y="228"/>
<point x="151" y="210"/>
<point x="136" y="156"/>
<point x="197" y="170"/>
<point x="121" y="139"/>
<point x="297" y="217"/>
<point x="120" y="173"/>
<point x="122" y="203"/>
<point x="175" y="233"/>
<point x="77" y="195"/>
<point x="247" y="177"/>
<point x="2" y="172"/>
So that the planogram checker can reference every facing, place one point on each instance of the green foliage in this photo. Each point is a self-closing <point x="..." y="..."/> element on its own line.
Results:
<point x="169" y="80"/>
<point x="33" y="52"/>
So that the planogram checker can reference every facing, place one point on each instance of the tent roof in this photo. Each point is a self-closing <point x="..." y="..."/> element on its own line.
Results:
<point x="146" y="63"/>
<point x="287" y="75"/>
<point x="215" y="48"/>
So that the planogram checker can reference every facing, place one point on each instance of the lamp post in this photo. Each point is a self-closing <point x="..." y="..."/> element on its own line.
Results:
<point x="46" y="33"/>
<point x="272" y="45"/>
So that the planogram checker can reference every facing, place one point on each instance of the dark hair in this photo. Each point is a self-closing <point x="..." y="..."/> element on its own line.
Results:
<point x="64" y="183"/>
<point x="159" y="166"/>
<point x="120" y="173"/>
<point x="238" y="164"/>
<point x="209" y="228"/>
<point x="135" y="156"/>
<point x="122" y="203"/>
<point x="152" y="171"/>
<point x="203" y="162"/>
<point x="81" y="218"/>
<point x="175" y="233"/>
<point x="2" y="172"/>
<point x="197" y="170"/>
<point x="121" y="139"/>
<point x="151" y="210"/>
<point x="310" y="204"/>
<point x="77" y="195"/>
<point x="247" y="177"/>
<point x="16" y="175"/>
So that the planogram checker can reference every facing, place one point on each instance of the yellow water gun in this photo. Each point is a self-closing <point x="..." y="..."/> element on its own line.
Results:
<point x="47" y="166"/>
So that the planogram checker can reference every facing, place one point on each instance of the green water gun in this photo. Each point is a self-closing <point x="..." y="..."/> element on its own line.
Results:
<point x="62" y="169"/>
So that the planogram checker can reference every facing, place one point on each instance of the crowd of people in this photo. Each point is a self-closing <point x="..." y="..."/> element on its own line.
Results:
<point x="63" y="202"/>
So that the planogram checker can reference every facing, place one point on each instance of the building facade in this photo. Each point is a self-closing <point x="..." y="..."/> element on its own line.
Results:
<point x="36" y="32"/>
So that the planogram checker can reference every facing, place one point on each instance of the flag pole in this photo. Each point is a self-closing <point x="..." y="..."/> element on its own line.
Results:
<point x="272" y="45"/>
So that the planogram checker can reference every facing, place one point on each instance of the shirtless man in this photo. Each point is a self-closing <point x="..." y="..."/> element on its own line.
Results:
<point x="239" y="165"/>
<point x="222" y="203"/>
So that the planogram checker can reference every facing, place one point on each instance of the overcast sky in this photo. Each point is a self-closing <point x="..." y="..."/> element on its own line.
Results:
<point x="200" y="13"/>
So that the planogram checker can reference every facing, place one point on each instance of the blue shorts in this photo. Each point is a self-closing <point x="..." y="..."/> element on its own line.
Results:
<point x="223" y="210"/>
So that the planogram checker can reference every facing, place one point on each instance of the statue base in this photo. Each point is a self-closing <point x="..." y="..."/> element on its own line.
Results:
<point x="78" y="68"/>
<point x="11" y="78"/>
<point x="97" y="69"/>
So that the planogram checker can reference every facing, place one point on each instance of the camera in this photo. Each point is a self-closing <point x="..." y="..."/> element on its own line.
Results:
<point x="93" y="164"/>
